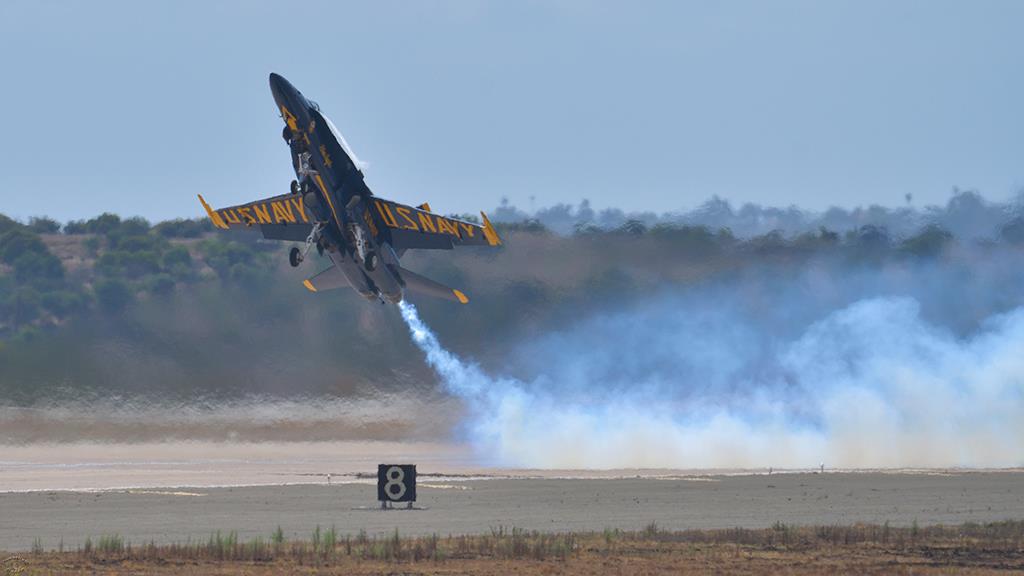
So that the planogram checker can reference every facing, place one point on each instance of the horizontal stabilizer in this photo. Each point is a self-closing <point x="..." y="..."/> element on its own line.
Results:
<point x="422" y="285"/>
<point x="329" y="279"/>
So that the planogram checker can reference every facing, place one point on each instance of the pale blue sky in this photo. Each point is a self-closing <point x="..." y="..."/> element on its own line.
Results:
<point x="136" y="106"/>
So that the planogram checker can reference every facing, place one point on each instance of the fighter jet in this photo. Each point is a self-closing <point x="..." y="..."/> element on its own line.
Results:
<point x="329" y="206"/>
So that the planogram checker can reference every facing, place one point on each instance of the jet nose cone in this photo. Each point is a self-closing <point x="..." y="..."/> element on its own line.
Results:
<point x="284" y="93"/>
<point x="277" y="82"/>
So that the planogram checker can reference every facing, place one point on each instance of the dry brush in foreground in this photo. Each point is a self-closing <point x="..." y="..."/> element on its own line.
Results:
<point x="964" y="549"/>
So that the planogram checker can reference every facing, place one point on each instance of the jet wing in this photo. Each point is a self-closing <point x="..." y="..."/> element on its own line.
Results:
<point x="405" y="227"/>
<point x="281" y="217"/>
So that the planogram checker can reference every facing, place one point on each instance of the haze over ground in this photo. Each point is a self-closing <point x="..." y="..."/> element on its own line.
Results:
<point x="739" y="350"/>
<point x="134" y="107"/>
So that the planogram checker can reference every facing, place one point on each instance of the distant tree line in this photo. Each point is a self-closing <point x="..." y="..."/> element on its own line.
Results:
<point x="129" y="258"/>
<point x="967" y="215"/>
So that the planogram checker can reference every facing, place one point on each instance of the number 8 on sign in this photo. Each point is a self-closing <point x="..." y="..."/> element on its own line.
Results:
<point x="395" y="485"/>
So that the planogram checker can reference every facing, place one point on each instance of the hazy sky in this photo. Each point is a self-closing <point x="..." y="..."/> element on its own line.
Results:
<point x="136" y="106"/>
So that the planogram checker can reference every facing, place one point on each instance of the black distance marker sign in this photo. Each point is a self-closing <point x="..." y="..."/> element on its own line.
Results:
<point x="396" y="482"/>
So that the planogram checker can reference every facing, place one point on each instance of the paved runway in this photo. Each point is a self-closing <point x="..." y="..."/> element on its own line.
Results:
<point x="68" y="500"/>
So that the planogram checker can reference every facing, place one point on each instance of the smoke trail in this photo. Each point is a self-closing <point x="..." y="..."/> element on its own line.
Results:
<point x="870" y="384"/>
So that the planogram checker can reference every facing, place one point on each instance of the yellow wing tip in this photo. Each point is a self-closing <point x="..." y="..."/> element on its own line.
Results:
<point x="214" y="217"/>
<point x="425" y="207"/>
<point x="462" y="297"/>
<point x="309" y="285"/>
<point x="489" y="232"/>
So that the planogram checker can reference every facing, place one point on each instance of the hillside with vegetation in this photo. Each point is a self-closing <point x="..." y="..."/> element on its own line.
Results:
<point x="114" y="305"/>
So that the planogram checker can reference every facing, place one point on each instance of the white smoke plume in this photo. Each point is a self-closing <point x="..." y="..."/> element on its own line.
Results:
<point x="682" y="384"/>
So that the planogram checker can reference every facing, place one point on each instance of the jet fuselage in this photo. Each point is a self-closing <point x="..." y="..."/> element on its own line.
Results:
<point x="334" y="190"/>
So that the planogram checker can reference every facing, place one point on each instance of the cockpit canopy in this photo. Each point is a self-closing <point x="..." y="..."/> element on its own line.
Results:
<point x="344" y="144"/>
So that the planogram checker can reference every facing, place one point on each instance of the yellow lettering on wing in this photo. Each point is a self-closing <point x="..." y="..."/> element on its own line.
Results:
<point x="247" y="216"/>
<point x="282" y="212"/>
<point x="427" y="223"/>
<point x="406" y="215"/>
<point x="262" y="213"/>
<point x="300" y="207"/>
<point x="231" y="217"/>
<point x="443" y="225"/>
<point x="385" y="214"/>
<point x="468" y="228"/>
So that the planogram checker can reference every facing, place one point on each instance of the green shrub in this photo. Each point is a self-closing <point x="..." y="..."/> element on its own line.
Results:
<point x="17" y="242"/>
<point x="160" y="284"/>
<point x="128" y="264"/>
<point x="632" y="228"/>
<point x="136" y="264"/>
<point x="693" y="241"/>
<point x="137" y="242"/>
<point x="532" y="225"/>
<point x="928" y="243"/>
<point x="63" y="303"/>
<point x="177" y="256"/>
<point x="7" y="224"/>
<point x="39" y="269"/>
<point x="21" y="305"/>
<point x="75" y="227"/>
<point x="113" y="295"/>
<point x="103" y="224"/>
<point x="108" y="264"/>
<point x="134" y="226"/>
<point x="43" y="225"/>
<point x="183" y="228"/>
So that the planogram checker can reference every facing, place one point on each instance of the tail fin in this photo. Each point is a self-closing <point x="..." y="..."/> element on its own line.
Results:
<point x="417" y="283"/>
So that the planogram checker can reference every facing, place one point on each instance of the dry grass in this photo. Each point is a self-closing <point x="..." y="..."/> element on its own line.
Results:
<point x="859" y="549"/>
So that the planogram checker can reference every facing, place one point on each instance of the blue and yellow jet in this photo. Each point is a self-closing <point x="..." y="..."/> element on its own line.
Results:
<point x="330" y="207"/>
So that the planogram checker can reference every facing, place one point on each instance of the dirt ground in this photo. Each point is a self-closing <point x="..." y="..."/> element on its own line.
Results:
<point x="596" y="555"/>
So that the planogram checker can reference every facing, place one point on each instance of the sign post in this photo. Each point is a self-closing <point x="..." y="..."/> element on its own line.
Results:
<point x="396" y="483"/>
